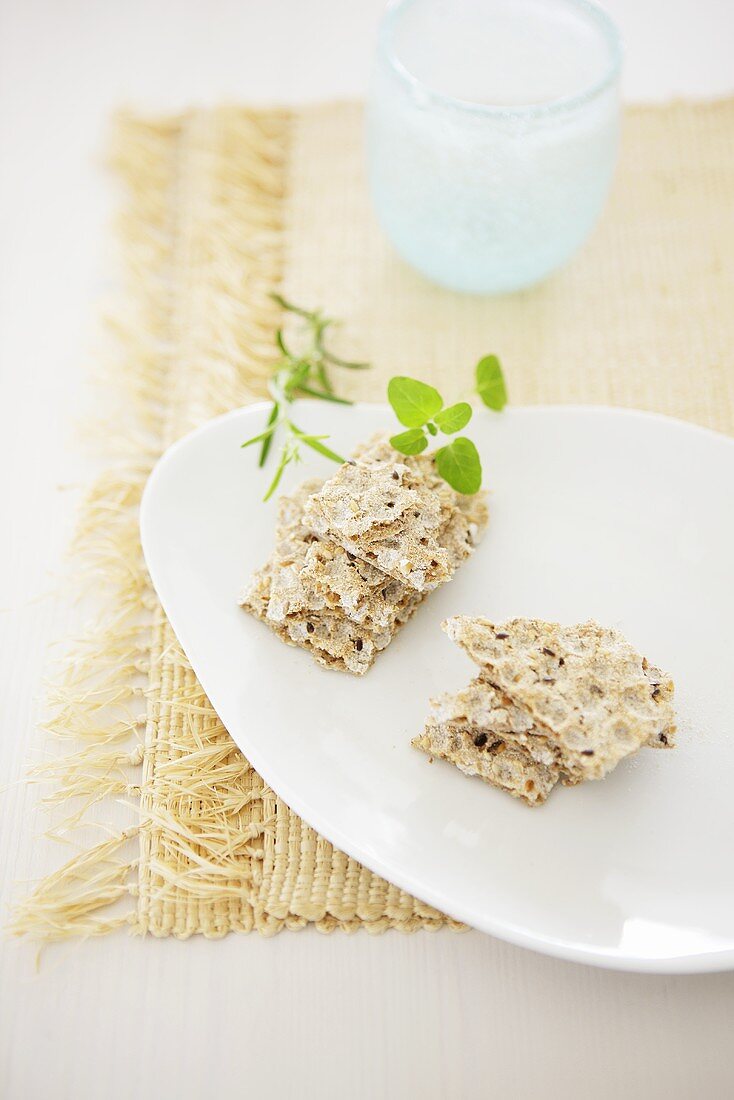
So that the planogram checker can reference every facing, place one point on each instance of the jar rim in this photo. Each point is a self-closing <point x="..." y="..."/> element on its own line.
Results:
<point x="561" y="104"/>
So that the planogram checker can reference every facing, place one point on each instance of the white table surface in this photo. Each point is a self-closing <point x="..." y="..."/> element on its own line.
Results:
<point x="303" y="1015"/>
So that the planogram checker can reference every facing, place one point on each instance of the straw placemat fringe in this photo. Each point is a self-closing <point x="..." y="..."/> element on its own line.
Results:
<point x="221" y="207"/>
<point x="96" y="696"/>
<point x="201" y="236"/>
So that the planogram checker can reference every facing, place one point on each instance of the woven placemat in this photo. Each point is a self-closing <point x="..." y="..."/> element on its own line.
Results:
<point x="221" y="207"/>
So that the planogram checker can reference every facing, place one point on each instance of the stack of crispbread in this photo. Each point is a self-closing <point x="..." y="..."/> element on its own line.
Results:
<point x="550" y="703"/>
<point x="356" y="555"/>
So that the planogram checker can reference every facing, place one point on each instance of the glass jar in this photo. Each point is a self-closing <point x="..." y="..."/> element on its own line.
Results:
<point x="492" y="131"/>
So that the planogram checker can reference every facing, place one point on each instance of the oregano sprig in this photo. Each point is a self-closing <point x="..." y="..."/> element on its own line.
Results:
<point x="299" y="373"/>
<point x="420" y="408"/>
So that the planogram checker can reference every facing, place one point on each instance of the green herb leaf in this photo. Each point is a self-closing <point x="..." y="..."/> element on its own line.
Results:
<point x="324" y="395"/>
<point x="431" y="428"/>
<point x="280" y="341"/>
<point x="491" y="383"/>
<point x="264" y="437"/>
<point x="348" y="363"/>
<point x="323" y="377"/>
<point x="411" y="442"/>
<point x="414" y="402"/>
<point x="286" y="456"/>
<point x="315" y="443"/>
<point x="454" y="418"/>
<point x="459" y="464"/>
<point x="305" y="371"/>
<point x="294" y="377"/>
<point x="258" y="438"/>
<point x="307" y="314"/>
<point x="267" y="441"/>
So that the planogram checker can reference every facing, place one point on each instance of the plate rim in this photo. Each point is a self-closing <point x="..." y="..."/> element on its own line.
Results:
<point x="707" y="962"/>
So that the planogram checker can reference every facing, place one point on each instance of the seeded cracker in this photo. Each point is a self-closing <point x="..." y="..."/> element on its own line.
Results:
<point x="317" y="594"/>
<point x="329" y="576"/>
<point x="310" y="574"/>
<point x="387" y="517"/>
<point x="482" y="733"/>
<point x="363" y="593"/>
<point x="468" y="514"/>
<point x="303" y="614"/>
<point x="392" y="512"/>
<point x="333" y="640"/>
<point x="662" y="690"/>
<point x="592" y="696"/>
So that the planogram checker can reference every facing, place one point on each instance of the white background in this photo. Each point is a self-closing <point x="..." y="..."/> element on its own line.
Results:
<point x="303" y="1015"/>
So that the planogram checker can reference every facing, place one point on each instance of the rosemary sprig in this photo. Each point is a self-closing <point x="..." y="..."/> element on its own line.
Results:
<point x="299" y="374"/>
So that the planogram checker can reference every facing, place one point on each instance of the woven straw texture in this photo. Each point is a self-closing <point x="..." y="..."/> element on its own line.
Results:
<point x="221" y="207"/>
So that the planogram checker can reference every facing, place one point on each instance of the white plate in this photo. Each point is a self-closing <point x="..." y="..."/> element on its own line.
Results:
<point x="596" y="513"/>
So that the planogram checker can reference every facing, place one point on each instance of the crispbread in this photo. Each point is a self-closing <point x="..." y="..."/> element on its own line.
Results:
<point x="391" y="512"/>
<point x="331" y="638"/>
<point x="309" y="574"/>
<point x="366" y="594"/>
<point x="502" y="764"/>
<point x="468" y="514"/>
<point x="484" y="709"/>
<point x="313" y="595"/>
<point x="585" y="688"/>
<point x="464" y="529"/>
<point x="363" y="593"/>
<point x="290" y="508"/>
<point x="483" y="733"/>
<point x="662" y="689"/>
<point x="384" y="515"/>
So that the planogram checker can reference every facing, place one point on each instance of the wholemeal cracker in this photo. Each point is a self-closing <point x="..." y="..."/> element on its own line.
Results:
<point x="483" y="733"/>
<point x="332" y="639"/>
<point x="468" y="515"/>
<point x="464" y="529"/>
<point x="343" y="615"/>
<point x="316" y="593"/>
<point x="500" y="763"/>
<point x="312" y="574"/>
<point x="484" y="709"/>
<point x="584" y="687"/>
<point x="386" y="516"/>
<point x="290" y="507"/>
<point x="327" y="572"/>
<point x="391" y="512"/>
<point x="662" y="689"/>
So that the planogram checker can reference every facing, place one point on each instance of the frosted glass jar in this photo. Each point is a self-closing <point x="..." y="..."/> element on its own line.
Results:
<point x="492" y="130"/>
